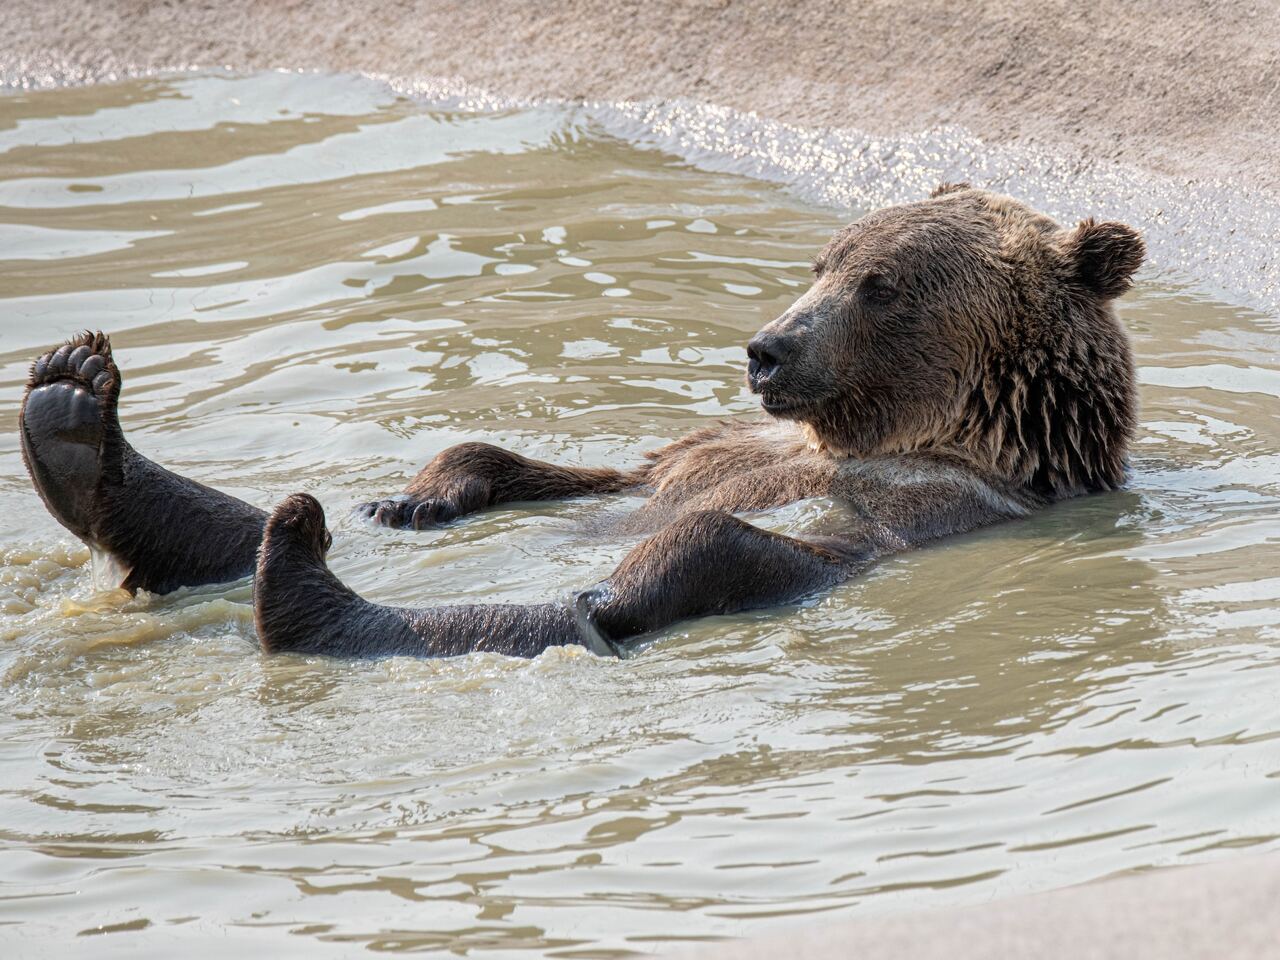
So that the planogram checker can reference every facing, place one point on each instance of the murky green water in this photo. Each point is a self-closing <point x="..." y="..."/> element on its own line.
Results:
<point x="315" y="286"/>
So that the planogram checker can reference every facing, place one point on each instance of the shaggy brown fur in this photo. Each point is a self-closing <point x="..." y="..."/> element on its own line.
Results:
<point x="966" y="327"/>
<point x="956" y="362"/>
<point x="971" y="326"/>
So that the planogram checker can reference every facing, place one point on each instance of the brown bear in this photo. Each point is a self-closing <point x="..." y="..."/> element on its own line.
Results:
<point x="956" y="362"/>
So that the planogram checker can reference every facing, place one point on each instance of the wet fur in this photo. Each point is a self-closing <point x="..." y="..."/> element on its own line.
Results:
<point x="1000" y="350"/>
<point x="165" y="530"/>
<point x="300" y="606"/>
<point x="956" y="362"/>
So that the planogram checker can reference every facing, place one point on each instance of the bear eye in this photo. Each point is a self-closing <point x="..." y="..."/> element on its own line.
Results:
<point x="819" y="264"/>
<point x="878" y="289"/>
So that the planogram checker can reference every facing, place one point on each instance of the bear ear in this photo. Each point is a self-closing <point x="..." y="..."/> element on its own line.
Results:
<point x="942" y="189"/>
<point x="1103" y="257"/>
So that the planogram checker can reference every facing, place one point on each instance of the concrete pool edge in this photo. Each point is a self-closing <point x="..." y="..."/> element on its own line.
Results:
<point x="1110" y="80"/>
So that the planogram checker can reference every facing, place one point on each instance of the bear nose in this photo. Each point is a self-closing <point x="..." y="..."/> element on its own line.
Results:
<point x="767" y="352"/>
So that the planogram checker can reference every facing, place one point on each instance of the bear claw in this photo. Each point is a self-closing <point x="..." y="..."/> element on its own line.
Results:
<point x="85" y="360"/>
<point x="407" y="513"/>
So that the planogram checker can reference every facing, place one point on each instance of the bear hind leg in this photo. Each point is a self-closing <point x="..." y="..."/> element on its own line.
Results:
<point x="710" y="562"/>
<point x="70" y="434"/>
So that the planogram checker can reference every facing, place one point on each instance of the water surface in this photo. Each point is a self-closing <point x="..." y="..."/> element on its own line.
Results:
<point x="313" y="284"/>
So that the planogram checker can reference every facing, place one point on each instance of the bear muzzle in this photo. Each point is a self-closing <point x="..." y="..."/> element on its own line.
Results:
<point x="767" y="354"/>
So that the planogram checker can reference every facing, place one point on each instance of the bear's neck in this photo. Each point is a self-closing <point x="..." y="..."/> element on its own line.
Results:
<point x="1057" y="421"/>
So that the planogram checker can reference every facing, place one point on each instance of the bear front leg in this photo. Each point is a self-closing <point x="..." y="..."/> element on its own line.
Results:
<point x="472" y="476"/>
<point x="711" y="562"/>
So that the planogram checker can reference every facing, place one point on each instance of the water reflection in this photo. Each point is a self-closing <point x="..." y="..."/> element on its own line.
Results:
<point x="316" y="285"/>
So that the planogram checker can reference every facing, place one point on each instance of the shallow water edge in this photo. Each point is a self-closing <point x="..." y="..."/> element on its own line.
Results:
<point x="1212" y="236"/>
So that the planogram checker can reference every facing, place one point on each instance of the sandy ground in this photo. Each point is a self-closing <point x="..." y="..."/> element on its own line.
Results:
<point x="1187" y="91"/>
<point x="1190" y="89"/>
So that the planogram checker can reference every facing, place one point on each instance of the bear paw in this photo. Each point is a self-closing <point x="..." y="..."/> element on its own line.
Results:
<point x="70" y="437"/>
<point x="404" y="512"/>
<point x="85" y="361"/>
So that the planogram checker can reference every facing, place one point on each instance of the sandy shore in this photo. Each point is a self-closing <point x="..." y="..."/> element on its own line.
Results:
<point x="1188" y="93"/>
<point x="1190" y="90"/>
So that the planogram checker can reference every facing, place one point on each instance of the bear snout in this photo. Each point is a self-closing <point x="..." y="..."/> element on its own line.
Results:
<point x="767" y="354"/>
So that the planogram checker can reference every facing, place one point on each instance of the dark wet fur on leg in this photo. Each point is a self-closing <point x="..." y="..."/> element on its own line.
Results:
<point x="167" y="531"/>
<point x="301" y="607"/>
<point x="711" y="562"/>
<point x="472" y="476"/>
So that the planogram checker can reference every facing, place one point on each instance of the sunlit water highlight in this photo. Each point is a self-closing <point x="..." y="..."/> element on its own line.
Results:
<point x="315" y="284"/>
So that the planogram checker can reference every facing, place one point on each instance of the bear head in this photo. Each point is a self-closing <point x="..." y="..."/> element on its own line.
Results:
<point x="966" y="325"/>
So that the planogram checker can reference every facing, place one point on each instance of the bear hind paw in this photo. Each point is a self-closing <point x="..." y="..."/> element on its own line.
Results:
<point x="85" y="361"/>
